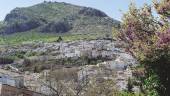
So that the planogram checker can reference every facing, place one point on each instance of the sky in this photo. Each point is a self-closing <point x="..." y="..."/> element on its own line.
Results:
<point x="110" y="7"/>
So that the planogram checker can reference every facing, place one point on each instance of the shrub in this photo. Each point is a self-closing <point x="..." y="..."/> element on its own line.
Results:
<point x="59" y="39"/>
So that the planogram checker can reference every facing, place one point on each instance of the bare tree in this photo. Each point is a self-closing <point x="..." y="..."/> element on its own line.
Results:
<point x="57" y="81"/>
<point x="81" y="86"/>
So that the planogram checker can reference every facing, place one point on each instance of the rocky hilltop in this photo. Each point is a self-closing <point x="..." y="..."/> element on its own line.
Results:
<point x="58" y="17"/>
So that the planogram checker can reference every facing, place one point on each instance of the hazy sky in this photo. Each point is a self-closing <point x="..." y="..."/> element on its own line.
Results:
<point x="110" y="7"/>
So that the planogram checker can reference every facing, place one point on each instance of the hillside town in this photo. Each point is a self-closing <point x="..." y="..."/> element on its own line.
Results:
<point x="115" y="65"/>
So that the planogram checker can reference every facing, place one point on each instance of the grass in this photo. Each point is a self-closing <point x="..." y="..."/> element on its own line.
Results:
<point x="130" y="94"/>
<point x="19" y="38"/>
<point x="24" y="37"/>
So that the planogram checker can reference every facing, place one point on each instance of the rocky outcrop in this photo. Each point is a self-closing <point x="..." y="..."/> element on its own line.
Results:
<point x="21" y="27"/>
<point x="16" y="16"/>
<point x="57" y="27"/>
<point x="92" y="12"/>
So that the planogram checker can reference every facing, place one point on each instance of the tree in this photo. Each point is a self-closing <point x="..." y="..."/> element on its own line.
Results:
<point x="59" y="39"/>
<point x="148" y="40"/>
<point x="65" y="82"/>
<point x="138" y="29"/>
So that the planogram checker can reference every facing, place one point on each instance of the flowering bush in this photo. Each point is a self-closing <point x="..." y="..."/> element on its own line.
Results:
<point x="149" y="41"/>
<point x="163" y="38"/>
<point x="138" y="30"/>
<point x="163" y="7"/>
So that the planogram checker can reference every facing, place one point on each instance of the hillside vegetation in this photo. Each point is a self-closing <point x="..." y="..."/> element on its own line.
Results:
<point x="58" y="18"/>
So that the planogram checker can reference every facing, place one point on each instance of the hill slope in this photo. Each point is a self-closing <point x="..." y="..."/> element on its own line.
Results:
<point x="55" y="17"/>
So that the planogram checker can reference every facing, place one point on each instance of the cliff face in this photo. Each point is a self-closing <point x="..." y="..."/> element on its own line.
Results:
<point x="58" y="17"/>
<point x="21" y="27"/>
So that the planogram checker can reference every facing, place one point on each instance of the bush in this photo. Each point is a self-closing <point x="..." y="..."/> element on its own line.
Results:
<point x="59" y="39"/>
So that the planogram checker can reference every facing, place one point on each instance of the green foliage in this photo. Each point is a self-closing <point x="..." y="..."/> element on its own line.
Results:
<point x="59" y="39"/>
<point x="28" y="37"/>
<point x="19" y="54"/>
<point x="18" y="38"/>
<point x="129" y="94"/>
<point x="151" y="84"/>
